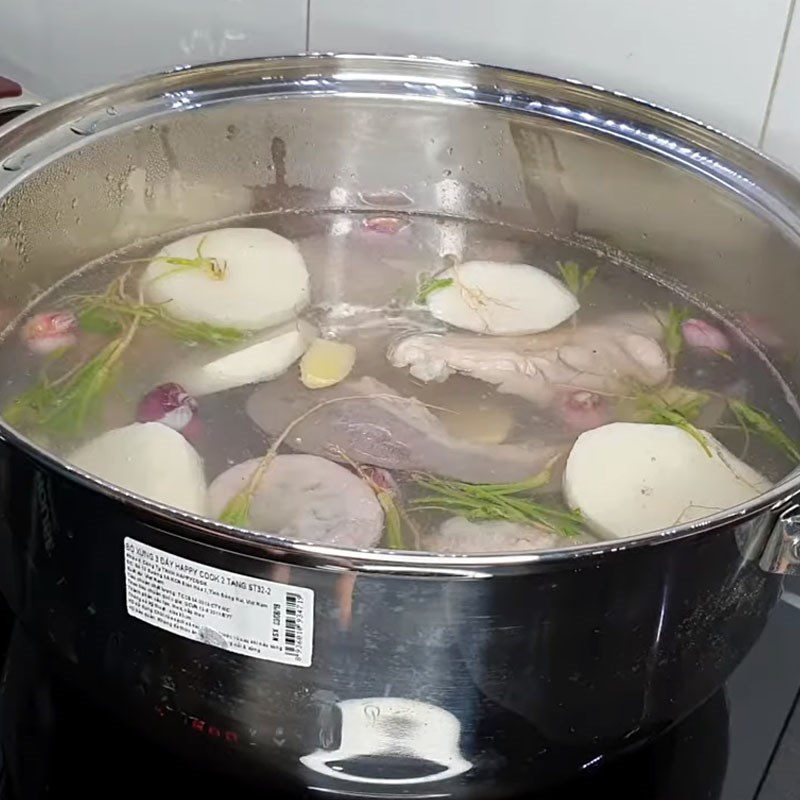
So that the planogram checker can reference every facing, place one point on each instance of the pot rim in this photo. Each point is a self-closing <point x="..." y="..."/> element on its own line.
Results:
<point x="707" y="138"/>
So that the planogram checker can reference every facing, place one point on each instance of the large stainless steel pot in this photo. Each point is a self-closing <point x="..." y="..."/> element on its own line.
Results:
<point x="449" y="675"/>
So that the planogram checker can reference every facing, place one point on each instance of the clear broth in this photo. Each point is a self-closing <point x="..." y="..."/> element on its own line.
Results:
<point x="362" y="282"/>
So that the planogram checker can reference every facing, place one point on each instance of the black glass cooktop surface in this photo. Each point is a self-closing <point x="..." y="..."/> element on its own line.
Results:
<point x="743" y="744"/>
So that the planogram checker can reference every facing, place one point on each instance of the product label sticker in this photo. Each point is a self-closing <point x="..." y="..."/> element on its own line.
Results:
<point x="250" y="616"/>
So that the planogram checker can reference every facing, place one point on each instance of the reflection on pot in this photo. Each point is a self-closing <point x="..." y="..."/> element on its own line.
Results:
<point x="392" y="740"/>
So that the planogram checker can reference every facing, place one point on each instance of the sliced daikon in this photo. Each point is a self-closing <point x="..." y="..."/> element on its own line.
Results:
<point x="245" y="278"/>
<point x="148" y="459"/>
<point x="305" y="497"/>
<point x="628" y="478"/>
<point x="500" y="298"/>
<point x="326" y="363"/>
<point x="261" y="359"/>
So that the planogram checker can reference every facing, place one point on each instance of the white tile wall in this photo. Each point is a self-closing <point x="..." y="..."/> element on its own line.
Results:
<point x="713" y="59"/>
<point x="732" y="63"/>
<point x="64" y="46"/>
<point x="782" y="129"/>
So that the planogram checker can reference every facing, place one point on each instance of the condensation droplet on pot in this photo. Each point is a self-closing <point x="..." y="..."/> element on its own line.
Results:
<point x="74" y="202"/>
<point x="111" y="111"/>
<point x="450" y="150"/>
<point x="385" y="198"/>
<point x="16" y="162"/>
<point x="447" y="173"/>
<point x="83" y="127"/>
<point x="231" y="132"/>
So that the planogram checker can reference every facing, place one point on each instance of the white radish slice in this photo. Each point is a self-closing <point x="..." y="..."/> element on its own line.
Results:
<point x="260" y="359"/>
<point x="259" y="279"/>
<point x="499" y="298"/>
<point x="628" y="478"/>
<point x="305" y="497"/>
<point x="148" y="459"/>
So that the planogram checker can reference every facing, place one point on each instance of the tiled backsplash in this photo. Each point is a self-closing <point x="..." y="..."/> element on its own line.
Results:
<point x="697" y="57"/>
<point x="782" y="127"/>
<point x="66" y="46"/>
<point x="732" y="63"/>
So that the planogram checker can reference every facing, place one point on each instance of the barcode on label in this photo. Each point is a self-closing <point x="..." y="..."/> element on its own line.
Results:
<point x="293" y="639"/>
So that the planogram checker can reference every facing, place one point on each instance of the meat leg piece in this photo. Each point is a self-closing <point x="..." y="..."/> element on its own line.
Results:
<point x="604" y="357"/>
<point x="387" y="430"/>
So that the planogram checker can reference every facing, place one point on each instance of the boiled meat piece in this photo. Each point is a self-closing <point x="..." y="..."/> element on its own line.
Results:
<point x="387" y="430"/>
<point x="459" y="536"/>
<point x="307" y="498"/>
<point x="604" y="357"/>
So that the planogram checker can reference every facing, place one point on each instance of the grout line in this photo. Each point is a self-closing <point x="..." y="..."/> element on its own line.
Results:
<point x="308" y="24"/>
<point x="776" y="76"/>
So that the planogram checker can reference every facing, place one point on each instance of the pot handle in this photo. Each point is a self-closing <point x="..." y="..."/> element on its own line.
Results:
<point x="782" y="551"/>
